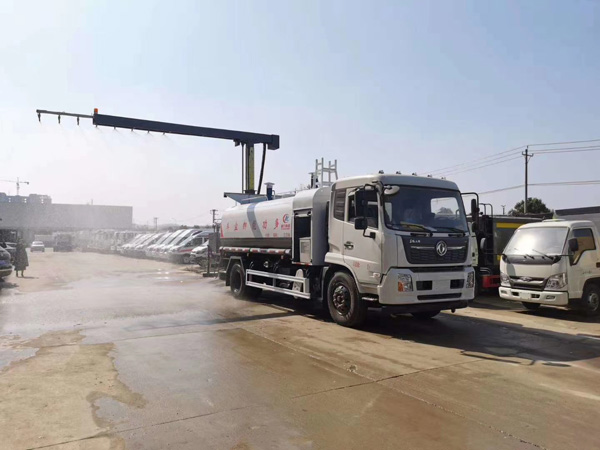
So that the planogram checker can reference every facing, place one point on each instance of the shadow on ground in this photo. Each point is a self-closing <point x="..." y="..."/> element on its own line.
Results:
<point x="477" y="337"/>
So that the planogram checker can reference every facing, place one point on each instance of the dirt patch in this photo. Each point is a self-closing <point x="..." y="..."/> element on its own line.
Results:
<point x="50" y="398"/>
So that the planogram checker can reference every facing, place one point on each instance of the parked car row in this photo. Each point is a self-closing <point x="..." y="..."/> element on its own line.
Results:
<point x="176" y="246"/>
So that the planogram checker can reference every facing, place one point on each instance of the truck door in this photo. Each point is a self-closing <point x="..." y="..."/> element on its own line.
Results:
<point x="584" y="260"/>
<point x="361" y="251"/>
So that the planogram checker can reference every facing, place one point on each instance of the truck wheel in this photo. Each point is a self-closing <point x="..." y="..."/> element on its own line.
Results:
<point x="425" y="315"/>
<point x="345" y="305"/>
<point x="590" y="301"/>
<point x="237" y="283"/>
<point x="531" y="306"/>
<point x="185" y="259"/>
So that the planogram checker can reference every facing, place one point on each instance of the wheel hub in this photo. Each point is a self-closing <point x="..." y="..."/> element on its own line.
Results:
<point x="341" y="299"/>
<point x="593" y="301"/>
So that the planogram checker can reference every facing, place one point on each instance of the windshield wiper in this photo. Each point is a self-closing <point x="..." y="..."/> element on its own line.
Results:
<point x="416" y="225"/>
<point x="542" y="253"/>
<point x="451" y="229"/>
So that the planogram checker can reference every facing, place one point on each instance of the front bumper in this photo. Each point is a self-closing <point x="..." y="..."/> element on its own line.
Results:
<point x="5" y="271"/>
<point x="542" y="297"/>
<point x="440" y="291"/>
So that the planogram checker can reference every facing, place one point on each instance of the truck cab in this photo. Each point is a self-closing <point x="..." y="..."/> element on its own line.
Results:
<point x="554" y="263"/>
<point x="405" y="240"/>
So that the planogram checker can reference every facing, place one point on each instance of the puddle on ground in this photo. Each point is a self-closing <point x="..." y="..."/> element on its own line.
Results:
<point x="52" y="397"/>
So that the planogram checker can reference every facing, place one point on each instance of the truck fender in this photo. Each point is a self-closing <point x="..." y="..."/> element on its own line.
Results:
<point x="589" y="281"/>
<point x="232" y="261"/>
<point x="328" y="273"/>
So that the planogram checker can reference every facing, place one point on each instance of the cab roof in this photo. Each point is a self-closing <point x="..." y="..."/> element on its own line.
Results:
<point x="388" y="178"/>
<point x="559" y="223"/>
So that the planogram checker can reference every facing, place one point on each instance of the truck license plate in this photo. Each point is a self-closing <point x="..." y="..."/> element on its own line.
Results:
<point x="525" y="295"/>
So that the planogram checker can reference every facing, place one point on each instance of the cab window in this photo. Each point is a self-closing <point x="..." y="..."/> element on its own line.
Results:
<point x="372" y="209"/>
<point x="585" y="241"/>
<point x="339" y="204"/>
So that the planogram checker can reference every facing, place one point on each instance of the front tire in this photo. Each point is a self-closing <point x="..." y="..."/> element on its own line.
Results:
<point x="531" y="306"/>
<point x="344" y="302"/>
<point x="425" y="315"/>
<point x="237" y="284"/>
<point x="590" y="302"/>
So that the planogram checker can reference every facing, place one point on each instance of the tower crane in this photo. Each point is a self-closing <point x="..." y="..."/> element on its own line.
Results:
<point x="17" y="182"/>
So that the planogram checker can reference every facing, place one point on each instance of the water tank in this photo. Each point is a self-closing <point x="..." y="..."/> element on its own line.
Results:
<point x="266" y="224"/>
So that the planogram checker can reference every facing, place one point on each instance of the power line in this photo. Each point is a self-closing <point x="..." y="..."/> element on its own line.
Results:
<point x="499" y="156"/>
<point x="567" y="150"/>
<point x="558" y="183"/>
<point x="477" y="161"/>
<point x="564" y="143"/>
<point x="511" y="158"/>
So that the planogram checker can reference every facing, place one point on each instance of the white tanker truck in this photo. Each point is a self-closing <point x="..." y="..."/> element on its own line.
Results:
<point x="388" y="241"/>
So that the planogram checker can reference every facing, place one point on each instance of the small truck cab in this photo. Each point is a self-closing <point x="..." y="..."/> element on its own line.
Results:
<point x="555" y="263"/>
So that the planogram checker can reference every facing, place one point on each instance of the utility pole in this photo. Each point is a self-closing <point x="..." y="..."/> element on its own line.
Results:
<point x="156" y="224"/>
<point x="213" y="212"/>
<point x="503" y="206"/>
<point x="527" y="156"/>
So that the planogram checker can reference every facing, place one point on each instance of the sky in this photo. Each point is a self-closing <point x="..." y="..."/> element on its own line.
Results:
<point x="410" y="86"/>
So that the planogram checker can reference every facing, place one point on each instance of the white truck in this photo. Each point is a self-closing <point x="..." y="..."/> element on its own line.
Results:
<point x="389" y="241"/>
<point x="555" y="262"/>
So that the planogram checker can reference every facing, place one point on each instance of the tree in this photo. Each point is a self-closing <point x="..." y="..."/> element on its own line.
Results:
<point x="445" y="211"/>
<point x="534" y="206"/>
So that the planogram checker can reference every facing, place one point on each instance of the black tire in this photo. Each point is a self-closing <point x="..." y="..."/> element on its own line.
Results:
<point x="185" y="259"/>
<point x="425" y="315"/>
<point x="344" y="302"/>
<point x="531" y="306"/>
<point x="237" y="284"/>
<point x="590" y="301"/>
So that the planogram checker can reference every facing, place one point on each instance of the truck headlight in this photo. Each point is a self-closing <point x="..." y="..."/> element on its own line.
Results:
<point x="557" y="281"/>
<point x="504" y="279"/>
<point x="404" y="283"/>
<point x="470" y="280"/>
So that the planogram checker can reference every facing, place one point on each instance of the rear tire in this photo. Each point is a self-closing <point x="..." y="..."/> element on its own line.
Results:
<point x="425" y="315"/>
<point x="590" y="302"/>
<point x="344" y="302"/>
<point x="237" y="284"/>
<point x="531" y="306"/>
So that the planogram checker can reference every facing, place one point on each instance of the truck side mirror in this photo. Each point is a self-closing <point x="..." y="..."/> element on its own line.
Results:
<point x="360" y="223"/>
<point x="573" y="245"/>
<point x="474" y="213"/>
<point x="360" y="203"/>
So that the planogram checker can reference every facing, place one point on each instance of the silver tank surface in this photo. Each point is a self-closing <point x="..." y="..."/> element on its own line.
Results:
<point x="266" y="224"/>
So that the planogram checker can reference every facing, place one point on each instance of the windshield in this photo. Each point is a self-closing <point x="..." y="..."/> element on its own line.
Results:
<point x="182" y="239"/>
<point x="537" y="241"/>
<point x="424" y="209"/>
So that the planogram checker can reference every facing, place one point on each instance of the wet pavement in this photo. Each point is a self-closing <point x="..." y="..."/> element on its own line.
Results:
<point x="104" y="352"/>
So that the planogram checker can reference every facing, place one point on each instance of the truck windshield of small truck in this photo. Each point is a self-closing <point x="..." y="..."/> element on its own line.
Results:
<point x="424" y="209"/>
<point x="536" y="242"/>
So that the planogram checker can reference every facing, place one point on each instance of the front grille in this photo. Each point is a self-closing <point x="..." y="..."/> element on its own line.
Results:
<point x="457" y="284"/>
<point x="534" y="284"/>
<point x="438" y="296"/>
<point x="438" y="269"/>
<point x="422" y="250"/>
<point x="424" y="285"/>
<point x="428" y="255"/>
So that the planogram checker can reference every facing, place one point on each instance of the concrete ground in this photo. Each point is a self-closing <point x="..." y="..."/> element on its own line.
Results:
<point x="106" y="352"/>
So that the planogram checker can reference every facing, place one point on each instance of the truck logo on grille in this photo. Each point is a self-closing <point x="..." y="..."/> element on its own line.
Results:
<point x="526" y="279"/>
<point x="441" y="248"/>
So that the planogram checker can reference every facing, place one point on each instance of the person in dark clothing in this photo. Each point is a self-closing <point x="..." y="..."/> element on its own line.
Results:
<point x="21" y="260"/>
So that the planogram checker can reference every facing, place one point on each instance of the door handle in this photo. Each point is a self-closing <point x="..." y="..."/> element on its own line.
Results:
<point x="349" y="245"/>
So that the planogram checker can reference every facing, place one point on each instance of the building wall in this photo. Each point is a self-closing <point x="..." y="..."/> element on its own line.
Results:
<point x="62" y="217"/>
